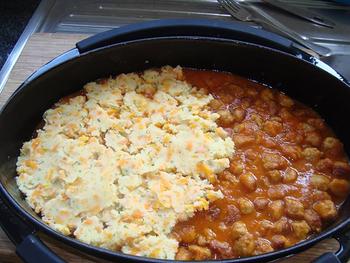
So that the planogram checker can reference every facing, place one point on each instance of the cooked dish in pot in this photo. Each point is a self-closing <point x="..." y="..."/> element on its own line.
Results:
<point x="184" y="164"/>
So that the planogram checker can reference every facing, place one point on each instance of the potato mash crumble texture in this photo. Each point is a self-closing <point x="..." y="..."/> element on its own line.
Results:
<point x="121" y="164"/>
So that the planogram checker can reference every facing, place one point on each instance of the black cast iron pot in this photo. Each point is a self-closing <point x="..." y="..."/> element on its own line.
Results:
<point x="202" y="44"/>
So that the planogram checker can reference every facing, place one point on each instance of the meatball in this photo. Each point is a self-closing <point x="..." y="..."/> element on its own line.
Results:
<point x="341" y="169"/>
<point x="237" y="91"/>
<point x="209" y="234"/>
<point x="239" y="229"/>
<point x="183" y="254"/>
<point x="260" y="203"/>
<point x="294" y="208"/>
<point x="257" y="119"/>
<point x="239" y="114"/>
<point x="312" y="154"/>
<point x="236" y="167"/>
<point x="285" y="101"/>
<point x="279" y="241"/>
<point x="245" y="206"/>
<point x="262" y="245"/>
<point x="232" y="214"/>
<point x="313" y="138"/>
<point x="339" y="187"/>
<point x="276" y="192"/>
<point x="216" y="104"/>
<point x="326" y="209"/>
<point x="317" y="122"/>
<point x="222" y="248"/>
<point x="266" y="94"/>
<point x="276" y="209"/>
<point x="325" y="165"/>
<point x="281" y="226"/>
<point x="265" y="226"/>
<point x="320" y="195"/>
<point x="248" y="180"/>
<point x="226" y="117"/>
<point x="292" y="152"/>
<point x="273" y="161"/>
<point x="313" y="220"/>
<point x="226" y="175"/>
<point x="290" y="175"/>
<point x="188" y="234"/>
<point x="285" y="114"/>
<point x="332" y="144"/>
<point x="305" y="127"/>
<point x="199" y="253"/>
<point x="245" y="245"/>
<point x="242" y="140"/>
<point x="272" y="128"/>
<point x="300" y="229"/>
<point x="320" y="182"/>
<point x="275" y="176"/>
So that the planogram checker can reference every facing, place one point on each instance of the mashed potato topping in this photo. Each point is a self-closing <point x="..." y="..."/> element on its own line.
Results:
<point x="118" y="166"/>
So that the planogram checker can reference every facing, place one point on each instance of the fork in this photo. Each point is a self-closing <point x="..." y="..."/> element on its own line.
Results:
<point x="240" y="13"/>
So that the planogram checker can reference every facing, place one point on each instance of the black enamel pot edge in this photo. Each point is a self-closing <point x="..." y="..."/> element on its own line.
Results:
<point x="274" y="255"/>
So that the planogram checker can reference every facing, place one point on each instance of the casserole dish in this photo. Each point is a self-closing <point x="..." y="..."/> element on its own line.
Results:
<point x="252" y="53"/>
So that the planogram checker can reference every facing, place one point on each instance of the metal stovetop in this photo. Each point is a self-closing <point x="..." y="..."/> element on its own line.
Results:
<point x="94" y="16"/>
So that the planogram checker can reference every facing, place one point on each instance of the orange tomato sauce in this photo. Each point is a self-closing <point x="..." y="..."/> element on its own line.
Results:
<point x="286" y="181"/>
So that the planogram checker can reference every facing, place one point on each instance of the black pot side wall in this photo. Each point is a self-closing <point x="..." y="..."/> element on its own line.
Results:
<point x="299" y="79"/>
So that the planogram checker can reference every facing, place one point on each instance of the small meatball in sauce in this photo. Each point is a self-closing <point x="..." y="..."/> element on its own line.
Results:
<point x="261" y="203"/>
<point x="285" y="101"/>
<point x="312" y="154"/>
<point x="245" y="245"/>
<point x="276" y="209"/>
<point x="300" y="229"/>
<point x="326" y="209"/>
<point x="248" y="180"/>
<point x="325" y="165"/>
<point x="216" y="104"/>
<point x="290" y="175"/>
<point x="273" y="161"/>
<point x="281" y="226"/>
<point x="313" y="139"/>
<point x="320" y="182"/>
<point x="245" y="206"/>
<point x="292" y="152"/>
<point x="226" y="117"/>
<point x="275" y="176"/>
<point x="339" y="187"/>
<point x="262" y="245"/>
<point x="239" y="229"/>
<point x="273" y="128"/>
<point x="294" y="208"/>
<point x="341" y="169"/>
<point x="279" y="241"/>
<point x="183" y="254"/>
<point x="313" y="220"/>
<point x="332" y="144"/>
<point x="199" y="253"/>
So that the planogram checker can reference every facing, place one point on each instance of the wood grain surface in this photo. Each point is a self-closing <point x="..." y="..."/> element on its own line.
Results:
<point x="40" y="49"/>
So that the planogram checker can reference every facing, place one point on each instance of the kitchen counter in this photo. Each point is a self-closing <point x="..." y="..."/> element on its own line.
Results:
<point x="14" y="16"/>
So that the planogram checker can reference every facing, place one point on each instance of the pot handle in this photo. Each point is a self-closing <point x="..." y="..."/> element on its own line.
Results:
<point x="188" y="27"/>
<point x="32" y="250"/>
<point x="28" y="246"/>
<point x="342" y="255"/>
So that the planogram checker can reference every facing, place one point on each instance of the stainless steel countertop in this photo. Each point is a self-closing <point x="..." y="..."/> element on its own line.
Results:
<point x="91" y="16"/>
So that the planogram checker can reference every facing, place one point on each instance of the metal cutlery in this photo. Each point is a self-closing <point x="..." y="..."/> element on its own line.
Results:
<point x="301" y="13"/>
<point x="241" y="13"/>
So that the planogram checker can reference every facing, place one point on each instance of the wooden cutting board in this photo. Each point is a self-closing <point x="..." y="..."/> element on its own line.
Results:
<point x="40" y="49"/>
